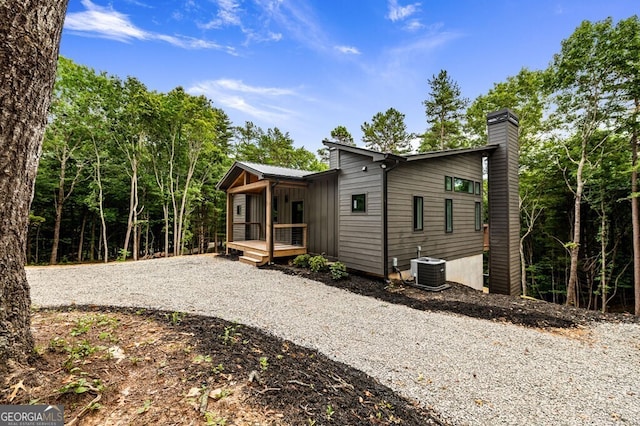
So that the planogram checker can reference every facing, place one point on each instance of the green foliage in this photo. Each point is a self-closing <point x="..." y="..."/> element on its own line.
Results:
<point x="444" y="110"/>
<point x="387" y="132"/>
<point x="264" y="363"/>
<point x="231" y="335"/>
<point x="302" y="260"/>
<point x="82" y="385"/>
<point x="341" y="135"/>
<point x="175" y="317"/>
<point x="318" y="263"/>
<point x="338" y="271"/>
<point x="272" y="147"/>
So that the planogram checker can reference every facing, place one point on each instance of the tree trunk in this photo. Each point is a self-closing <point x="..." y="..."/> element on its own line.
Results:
<point x="29" y="38"/>
<point x="572" y="286"/>
<point x="81" y="243"/>
<point x="59" y="205"/>
<point x="635" y="216"/>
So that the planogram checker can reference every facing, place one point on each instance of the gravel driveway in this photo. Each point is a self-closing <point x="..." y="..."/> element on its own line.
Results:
<point x="471" y="371"/>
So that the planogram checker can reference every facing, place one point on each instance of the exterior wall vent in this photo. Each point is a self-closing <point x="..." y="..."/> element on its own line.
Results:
<point x="429" y="273"/>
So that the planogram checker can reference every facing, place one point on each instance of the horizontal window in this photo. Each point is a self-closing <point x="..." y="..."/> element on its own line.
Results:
<point x="463" y="185"/>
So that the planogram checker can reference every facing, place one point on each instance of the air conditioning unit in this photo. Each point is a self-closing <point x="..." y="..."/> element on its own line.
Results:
<point x="429" y="273"/>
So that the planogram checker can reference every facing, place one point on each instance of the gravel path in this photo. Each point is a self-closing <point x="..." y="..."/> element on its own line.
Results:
<point x="471" y="371"/>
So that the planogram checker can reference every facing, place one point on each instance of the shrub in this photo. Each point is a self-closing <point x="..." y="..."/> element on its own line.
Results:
<point x="302" y="261"/>
<point x="338" y="271"/>
<point x="318" y="263"/>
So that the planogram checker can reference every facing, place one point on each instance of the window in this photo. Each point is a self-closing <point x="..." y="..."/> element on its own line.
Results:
<point x="238" y="209"/>
<point x="478" y="188"/>
<point x="448" y="215"/>
<point x="478" y="216"/>
<point x="463" y="185"/>
<point x="418" y="213"/>
<point x="358" y="203"/>
<point x="448" y="183"/>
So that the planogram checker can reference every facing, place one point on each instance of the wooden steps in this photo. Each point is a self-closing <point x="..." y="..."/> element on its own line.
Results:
<point x="253" y="258"/>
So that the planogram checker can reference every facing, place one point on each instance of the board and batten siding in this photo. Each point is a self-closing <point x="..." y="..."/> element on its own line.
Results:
<point x="360" y="236"/>
<point x="239" y="231"/>
<point x="426" y="178"/>
<point x="504" y="218"/>
<point x="321" y="215"/>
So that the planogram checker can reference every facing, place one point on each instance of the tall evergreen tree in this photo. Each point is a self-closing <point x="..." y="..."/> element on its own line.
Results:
<point x="444" y="108"/>
<point x="387" y="132"/>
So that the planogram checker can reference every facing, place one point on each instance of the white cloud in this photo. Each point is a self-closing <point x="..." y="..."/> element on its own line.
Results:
<point x="400" y="13"/>
<point x="228" y="15"/>
<point x="413" y="25"/>
<point x="348" y="50"/>
<point x="105" y="22"/>
<point x="255" y="101"/>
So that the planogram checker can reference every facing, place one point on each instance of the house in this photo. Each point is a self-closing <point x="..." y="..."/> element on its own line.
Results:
<point x="373" y="211"/>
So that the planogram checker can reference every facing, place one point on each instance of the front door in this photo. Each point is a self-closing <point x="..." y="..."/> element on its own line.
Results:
<point x="297" y="216"/>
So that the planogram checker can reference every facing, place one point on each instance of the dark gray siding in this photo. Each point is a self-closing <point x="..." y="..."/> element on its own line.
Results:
<point x="360" y="244"/>
<point x="322" y="216"/>
<point x="504" y="214"/>
<point x="425" y="179"/>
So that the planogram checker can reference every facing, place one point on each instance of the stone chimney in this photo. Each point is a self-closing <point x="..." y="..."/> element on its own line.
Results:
<point x="504" y="209"/>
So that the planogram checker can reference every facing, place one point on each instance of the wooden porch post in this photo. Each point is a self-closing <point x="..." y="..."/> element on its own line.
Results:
<point x="229" y="220"/>
<point x="269" y="236"/>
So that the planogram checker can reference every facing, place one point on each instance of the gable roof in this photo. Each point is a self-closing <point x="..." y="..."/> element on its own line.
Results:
<point x="264" y="171"/>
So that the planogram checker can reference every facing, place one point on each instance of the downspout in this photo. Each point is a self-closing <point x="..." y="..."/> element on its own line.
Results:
<point x="385" y="225"/>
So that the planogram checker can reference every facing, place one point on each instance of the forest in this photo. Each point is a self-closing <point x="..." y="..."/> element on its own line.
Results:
<point x="127" y="172"/>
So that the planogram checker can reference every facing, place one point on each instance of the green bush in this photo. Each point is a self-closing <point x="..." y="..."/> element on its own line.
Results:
<point x="338" y="271"/>
<point x="302" y="261"/>
<point x="318" y="263"/>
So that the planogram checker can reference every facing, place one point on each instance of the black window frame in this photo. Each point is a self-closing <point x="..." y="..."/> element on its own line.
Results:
<point x="463" y="186"/>
<point x="238" y="209"/>
<point x="448" y="215"/>
<point x="418" y="214"/>
<point x="478" y="188"/>
<point x="448" y="183"/>
<point x="356" y="200"/>
<point x="478" y="216"/>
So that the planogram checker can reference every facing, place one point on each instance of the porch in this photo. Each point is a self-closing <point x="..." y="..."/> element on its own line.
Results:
<point x="256" y="252"/>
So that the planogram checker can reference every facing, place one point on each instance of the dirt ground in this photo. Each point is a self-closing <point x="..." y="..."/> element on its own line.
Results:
<point x="113" y="366"/>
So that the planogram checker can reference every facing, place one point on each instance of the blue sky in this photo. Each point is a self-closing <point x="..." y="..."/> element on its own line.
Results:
<point x="307" y="66"/>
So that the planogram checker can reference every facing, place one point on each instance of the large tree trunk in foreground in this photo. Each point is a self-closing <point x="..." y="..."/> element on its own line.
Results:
<point x="29" y="38"/>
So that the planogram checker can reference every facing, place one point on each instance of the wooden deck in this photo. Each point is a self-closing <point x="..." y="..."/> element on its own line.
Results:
<point x="260" y="247"/>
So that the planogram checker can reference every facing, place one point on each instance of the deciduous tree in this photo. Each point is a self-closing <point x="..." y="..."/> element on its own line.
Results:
<point x="30" y="32"/>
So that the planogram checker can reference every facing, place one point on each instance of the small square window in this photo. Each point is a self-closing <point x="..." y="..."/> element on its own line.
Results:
<point x="418" y="213"/>
<point x="448" y="183"/>
<point x="359" y="203"/>
<point x="448" y="215"/>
